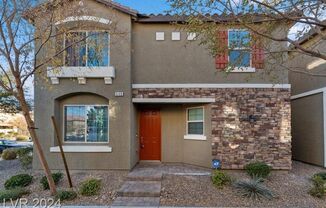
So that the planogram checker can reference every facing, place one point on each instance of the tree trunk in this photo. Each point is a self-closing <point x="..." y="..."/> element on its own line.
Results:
<point x="31" y="129"/>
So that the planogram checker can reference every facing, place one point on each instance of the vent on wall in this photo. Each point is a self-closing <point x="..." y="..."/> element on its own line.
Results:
<point x="191" y="36"/>
<point x="159" y="35"/>
<point x="176" y="36"/>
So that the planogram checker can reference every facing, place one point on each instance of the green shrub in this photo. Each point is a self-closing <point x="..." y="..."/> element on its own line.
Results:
<point x="12" y="194"/>
<point x="322" y="175"/>
<point x="56" y="178"/>
<point x="9" y="154"/>
<point x="25" y="156"/>
<point x="318" y="189"/>
<point x="258" y="169"/>
<point x="90" y="187"/>
<point x="253" y="189"/>
<point x="220" y="178"/>
<point x="66" y="195"/>
<point x="17" y="181"/>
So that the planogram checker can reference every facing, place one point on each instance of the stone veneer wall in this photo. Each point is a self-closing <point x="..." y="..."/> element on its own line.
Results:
<point x="237" y="140"/>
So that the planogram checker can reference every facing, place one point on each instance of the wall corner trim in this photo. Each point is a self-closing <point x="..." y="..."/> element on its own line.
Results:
<point x="82" y="149"/>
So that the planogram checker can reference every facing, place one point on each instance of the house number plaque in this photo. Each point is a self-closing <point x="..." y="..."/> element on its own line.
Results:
<point x="118" y="94"/>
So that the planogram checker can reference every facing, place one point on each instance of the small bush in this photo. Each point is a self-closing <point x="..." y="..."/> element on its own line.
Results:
<point x="18" y="181"/>
<point x="253" y="189"/>
<point x="21" y="138"/>
<point x="90" y="187"/>
<point x="258" y="169"/>
<point x="25" y="156"/>
<point x="322" y="175"/>
<point x="220" y="179"/>
<point x="318" y="190"/>
<point x="66" y="195"/>
<point x="56" y="178"/>
<point x="9" y="154"/>
<point x="12" y="194"/>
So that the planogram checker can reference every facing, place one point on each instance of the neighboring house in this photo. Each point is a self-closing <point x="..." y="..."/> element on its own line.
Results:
<point x="157" y="95"/>
<point x="7" y="125"/>
<point x="308" y="80"/>
<point x="7" y="128"/>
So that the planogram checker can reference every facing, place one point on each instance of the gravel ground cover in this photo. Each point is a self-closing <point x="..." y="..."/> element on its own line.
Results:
<point x="111" y="182"/>
<point x="291" y="189"/>
<point x="178" y="190"/>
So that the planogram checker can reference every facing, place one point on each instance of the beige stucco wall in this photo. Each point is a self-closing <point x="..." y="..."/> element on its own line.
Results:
<point x="307" y="129"/>
<point x="120" y="107"/>
<point x="303" y="65"/>
<point x="189" y="62"/>
<point x="176" y="149"/>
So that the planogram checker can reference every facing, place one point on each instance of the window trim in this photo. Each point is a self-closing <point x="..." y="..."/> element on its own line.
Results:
<point x="195" y="136"/>
<point x="85" y="142"/>
<point x="240" y="69"/>
<point x="87" y="31"/>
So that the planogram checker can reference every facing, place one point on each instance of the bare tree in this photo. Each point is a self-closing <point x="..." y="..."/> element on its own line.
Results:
<point x="307" y="16"/>
<point x="30" y="40"/>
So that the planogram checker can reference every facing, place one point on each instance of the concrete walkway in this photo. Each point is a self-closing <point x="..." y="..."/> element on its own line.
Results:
<point x="143" y="185"/>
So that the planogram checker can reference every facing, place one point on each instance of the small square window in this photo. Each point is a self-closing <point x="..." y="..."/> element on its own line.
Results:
<point x="195" y="121"/>
<point x="176" y="36"/>
<point x="191" y="36"/>
<point x="159" y="35"/>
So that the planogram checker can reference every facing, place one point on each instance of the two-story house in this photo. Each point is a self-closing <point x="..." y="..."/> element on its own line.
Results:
<point x="156" y="94"/>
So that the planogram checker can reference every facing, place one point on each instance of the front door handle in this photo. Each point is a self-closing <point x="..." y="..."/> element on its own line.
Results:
<point x="142" y="146"/>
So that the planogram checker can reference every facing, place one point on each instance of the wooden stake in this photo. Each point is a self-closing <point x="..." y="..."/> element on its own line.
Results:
<point x="61" y="150"/>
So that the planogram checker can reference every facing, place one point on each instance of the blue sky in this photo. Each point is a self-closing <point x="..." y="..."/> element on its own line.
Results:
<point x="146" y="6"/>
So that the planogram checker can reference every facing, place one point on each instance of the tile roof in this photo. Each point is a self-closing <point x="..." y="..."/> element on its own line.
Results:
<point x="119" y="7"/>
<point x="167" y="18"/>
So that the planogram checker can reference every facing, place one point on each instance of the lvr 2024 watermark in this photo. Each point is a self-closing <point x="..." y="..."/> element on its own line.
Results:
<point x="36" y="202"/>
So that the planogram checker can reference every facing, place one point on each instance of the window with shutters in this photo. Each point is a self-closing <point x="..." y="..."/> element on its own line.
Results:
<point x="239" y="50"/>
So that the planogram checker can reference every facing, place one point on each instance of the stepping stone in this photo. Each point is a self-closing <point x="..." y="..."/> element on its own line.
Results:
<point x="140" y="189"/>
<point x="137" y="201"/>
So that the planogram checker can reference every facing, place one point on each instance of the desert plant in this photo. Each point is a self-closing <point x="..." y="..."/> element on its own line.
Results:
<point x="17" y="181"/>
<point x="66" y="195"/>
<point x="90" y="187"/>
<point x="258" y="169"/>
<point x="25" y="156"/>
<point x="253" y="189"/>
<point x="321" y="174"/>
<point x="12" y="194"/>
<point x="220" y="178"/>
<point x="9" y="154"/>
<point x="318" y="189"/>
<point x="56" y="178"/>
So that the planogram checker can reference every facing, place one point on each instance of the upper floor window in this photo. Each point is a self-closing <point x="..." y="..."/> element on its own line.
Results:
<point x="239" y="48"/>
<point x="239" y="51"/>
<point x="86" y="123"/>
<point x="87" y="49"/>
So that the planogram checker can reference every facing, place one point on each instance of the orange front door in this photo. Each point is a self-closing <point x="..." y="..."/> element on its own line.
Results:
<point x="150" y="135"/>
